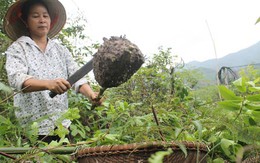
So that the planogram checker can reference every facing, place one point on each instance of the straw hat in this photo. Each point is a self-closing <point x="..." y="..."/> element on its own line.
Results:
<point x="14" y="26"/>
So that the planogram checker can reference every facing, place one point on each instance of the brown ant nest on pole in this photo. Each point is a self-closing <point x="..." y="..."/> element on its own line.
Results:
<point x="116" y="60"/>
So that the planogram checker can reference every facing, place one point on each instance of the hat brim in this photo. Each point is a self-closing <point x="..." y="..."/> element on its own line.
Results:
<point x="14" y="27"/>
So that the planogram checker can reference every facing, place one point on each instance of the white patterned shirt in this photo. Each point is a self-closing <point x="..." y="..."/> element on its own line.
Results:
<point x="25" y="60"/>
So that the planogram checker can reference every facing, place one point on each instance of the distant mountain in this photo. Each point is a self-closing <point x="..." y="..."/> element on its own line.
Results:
<point x="234" y="61"/>
<point x="247" y="56"/>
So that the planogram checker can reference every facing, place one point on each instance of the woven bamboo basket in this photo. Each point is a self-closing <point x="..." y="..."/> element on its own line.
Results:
<point x="140" y="153"/>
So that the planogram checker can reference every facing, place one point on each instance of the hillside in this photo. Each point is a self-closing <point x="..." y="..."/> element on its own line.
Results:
<point x="250" y="55"/>
<point x="244" y="57"/>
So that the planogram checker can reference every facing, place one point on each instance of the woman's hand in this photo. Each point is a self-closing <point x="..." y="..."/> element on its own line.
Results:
<point x="58" y="86"/>
<point x="95" y="100"/>
<point x="90" y="94"/>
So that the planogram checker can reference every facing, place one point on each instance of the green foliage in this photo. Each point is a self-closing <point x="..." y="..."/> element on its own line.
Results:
<point x="218" y="160"/>
<point x="10" y="130"/>
<point x="161" y="78"/>
<point x="32" y="132"/>
<point x="4" y="88"/>
<point x="239" y="125"/>
<point x="4" y="43"/>
<point x="71" y="114"/>
<point x="3" y="7"/>
<point x="250" y="73"/>
<point x="158" y="156"/>
<point x="230" y="148"/>
<point x="74" y="38"/>
<point x="127" y="116"/>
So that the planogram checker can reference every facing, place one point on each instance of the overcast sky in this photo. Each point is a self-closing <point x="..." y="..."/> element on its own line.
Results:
<point x="182" y="25"/>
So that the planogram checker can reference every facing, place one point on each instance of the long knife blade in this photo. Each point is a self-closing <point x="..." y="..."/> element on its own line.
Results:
<point x="77" y="75"/>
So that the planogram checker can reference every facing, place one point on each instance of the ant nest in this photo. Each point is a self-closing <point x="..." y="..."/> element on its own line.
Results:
<point x="116" y="60"/>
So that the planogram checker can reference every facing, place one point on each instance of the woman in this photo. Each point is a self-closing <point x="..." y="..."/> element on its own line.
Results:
<point x="37" y="65"/>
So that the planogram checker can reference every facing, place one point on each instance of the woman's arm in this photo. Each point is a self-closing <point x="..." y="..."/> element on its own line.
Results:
<point x="58" y="86"/>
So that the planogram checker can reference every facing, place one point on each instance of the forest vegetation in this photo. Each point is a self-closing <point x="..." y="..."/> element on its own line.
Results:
<point x="224" y="117"/>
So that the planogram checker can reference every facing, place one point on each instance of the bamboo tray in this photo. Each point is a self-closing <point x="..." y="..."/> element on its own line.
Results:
<point x="140" y="152"/>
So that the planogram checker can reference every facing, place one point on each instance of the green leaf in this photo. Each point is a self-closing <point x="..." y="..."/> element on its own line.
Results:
<point x="257" y="80"/>
<point x="218" y="160"/>
<point x="240" y="84"/>
<point x="251" y="121"/>
<point x="254" y="89"/>
<point x="253" y="97"/>
<point x="32" y="132"/>
<point x="61" y="131"/>
<point x="230" y="148"/>
<point x="225" y="144"/>
<point x="213" y="139"/>
<point x="61" y="142"/>
<point x="199" y="127"/>
<point x="254" y="131"/>
<point x="112" y="137"/>
<point x="256" y="115"/>
<point x="4" y="120"/>
<point x="228" y="94"/>
<point x="230" y="105"/>
<point x="158" y="156"/>
<point x="252" y="106"/>
<point x="63" y="158"/>
<point x="72" y="113"/>
<point x="251" y="83"/>
<point x="5" y="88"/>
<point x="177" y="132"/>
<point x="249" y="135"/>
<point x="183" y="149"/>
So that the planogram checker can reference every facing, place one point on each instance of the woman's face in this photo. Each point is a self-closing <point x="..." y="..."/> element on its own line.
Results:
<point x="38" y="21"/>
